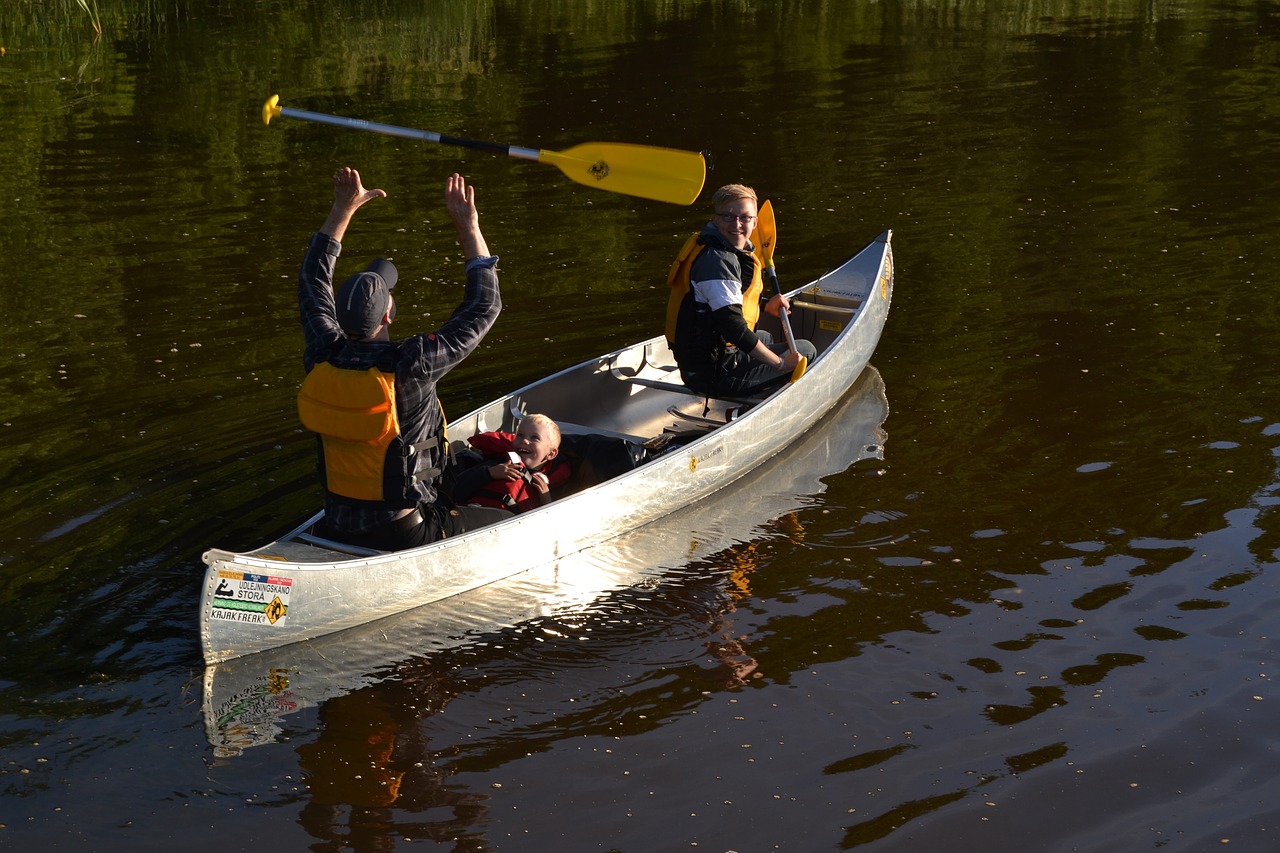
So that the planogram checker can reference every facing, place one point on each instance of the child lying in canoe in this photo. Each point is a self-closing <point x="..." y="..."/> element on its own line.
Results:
<point x="519" y="471"/>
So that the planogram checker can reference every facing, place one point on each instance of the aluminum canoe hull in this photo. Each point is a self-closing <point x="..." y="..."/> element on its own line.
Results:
<point x="295" y="589"/>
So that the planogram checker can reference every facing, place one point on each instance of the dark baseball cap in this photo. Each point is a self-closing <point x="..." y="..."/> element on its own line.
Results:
<point x="362" y="299"/>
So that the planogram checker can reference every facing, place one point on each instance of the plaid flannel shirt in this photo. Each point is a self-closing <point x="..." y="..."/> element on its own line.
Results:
<point x="421" y="360"/>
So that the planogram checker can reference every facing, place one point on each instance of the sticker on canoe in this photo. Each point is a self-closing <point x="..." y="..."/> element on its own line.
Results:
<point x="250" y="598"/>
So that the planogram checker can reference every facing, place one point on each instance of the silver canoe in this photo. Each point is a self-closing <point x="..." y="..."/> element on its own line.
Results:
<point x="250" y="701"/>
<point x="303" y="586"/>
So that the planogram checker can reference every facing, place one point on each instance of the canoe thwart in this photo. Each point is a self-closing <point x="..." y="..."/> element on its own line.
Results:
<point x="818" y="308"/>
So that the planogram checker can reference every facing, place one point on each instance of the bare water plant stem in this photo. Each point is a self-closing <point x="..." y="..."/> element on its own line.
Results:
<point x="94" y="18"/>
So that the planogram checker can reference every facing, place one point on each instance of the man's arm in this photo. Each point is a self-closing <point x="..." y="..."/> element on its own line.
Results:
<point x="460" y="200"/>
<point x="315" y="281"/>
<point x="443" y="349"/>
<point x="722" y="291"/>
<point x="724" y="297"/>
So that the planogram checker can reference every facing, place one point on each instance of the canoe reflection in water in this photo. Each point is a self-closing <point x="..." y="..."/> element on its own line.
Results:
<point x="372" y="760"/>
<point x="371" y="755"/>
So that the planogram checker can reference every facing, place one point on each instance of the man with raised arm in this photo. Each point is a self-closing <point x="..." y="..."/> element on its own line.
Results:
<point x="371" y="400"/>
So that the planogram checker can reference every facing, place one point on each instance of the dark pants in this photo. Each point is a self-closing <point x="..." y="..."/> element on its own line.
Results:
<point x="431" y="523"/>
<point x="739" y="375"/>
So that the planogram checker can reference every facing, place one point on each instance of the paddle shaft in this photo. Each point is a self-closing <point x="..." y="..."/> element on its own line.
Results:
<point x="646" y="171"/>
<point x="411" y="133"/>
<point x="783" y="314"/>
<point x="767" y="236"/>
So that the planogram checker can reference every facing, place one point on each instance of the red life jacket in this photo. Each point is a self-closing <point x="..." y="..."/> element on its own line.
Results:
<point x="514" y="495"/>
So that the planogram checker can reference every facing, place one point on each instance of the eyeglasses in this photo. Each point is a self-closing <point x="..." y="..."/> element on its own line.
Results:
<point x="744" y="218"/>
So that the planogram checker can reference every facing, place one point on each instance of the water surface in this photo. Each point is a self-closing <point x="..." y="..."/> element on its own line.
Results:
<point x="1038" y="618"/>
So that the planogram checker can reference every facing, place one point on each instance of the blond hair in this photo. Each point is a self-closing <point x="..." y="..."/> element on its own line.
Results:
<point x="548" y="426"/>
<point x="730" y="193"/>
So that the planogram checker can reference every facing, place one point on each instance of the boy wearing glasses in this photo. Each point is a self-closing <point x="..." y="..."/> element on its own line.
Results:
<point x="714" y="305"/>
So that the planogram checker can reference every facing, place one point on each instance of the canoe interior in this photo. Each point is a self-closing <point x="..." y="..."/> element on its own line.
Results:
<point x="636" y="392"/>
<point x="247" y="700"/>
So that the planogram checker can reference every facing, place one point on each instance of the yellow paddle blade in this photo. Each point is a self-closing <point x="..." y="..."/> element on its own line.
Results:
<point x="801" y="367"/>
<point x="270" y="109"/>
<point x="660" y="174"/>
<point x="765" y="237"/>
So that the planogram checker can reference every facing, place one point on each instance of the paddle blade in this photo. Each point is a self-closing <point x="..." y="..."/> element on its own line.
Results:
<point x="766" y="235"/>
<point x="270" y="109"/>
<point x="660" y="174"/>
<point x="801" y="367"/>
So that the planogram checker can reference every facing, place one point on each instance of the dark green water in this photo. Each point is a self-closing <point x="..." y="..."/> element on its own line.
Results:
<point x="1044" y="621"/>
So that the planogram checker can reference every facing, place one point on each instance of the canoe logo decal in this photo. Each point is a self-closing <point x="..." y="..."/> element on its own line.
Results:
<point x="599" y="170"/>
<point x="693" y="463"/>
<point x="274" y="611"/>
<point x="886" y="276"/>
<point x="251" y="598"/>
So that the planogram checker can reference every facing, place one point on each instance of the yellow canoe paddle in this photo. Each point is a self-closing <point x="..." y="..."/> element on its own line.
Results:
<point x="766" y="238"/>
<point x="646" y="171"/>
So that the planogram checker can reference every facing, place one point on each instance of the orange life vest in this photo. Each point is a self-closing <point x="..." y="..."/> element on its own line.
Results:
<point x="364" y="456"/>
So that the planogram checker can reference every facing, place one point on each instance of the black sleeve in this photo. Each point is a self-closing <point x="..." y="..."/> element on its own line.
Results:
<point x="732" y="326"/>
<point x="468" y="481"/>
